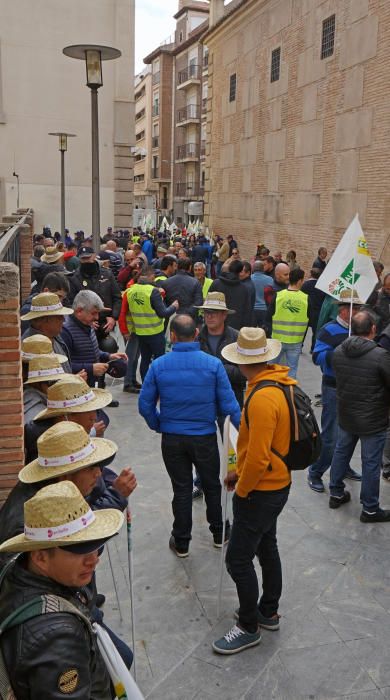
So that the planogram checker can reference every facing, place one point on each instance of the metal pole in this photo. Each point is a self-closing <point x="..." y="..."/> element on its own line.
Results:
<point x="95" y="170"/>
<point x="62" y="194"/>
<point x="18" y="195"/>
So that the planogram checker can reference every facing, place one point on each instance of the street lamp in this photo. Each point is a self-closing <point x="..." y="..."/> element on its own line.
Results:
<point x="93" y="55"/>
<point x="63" y="146"/>
<point x="18" y="189"/>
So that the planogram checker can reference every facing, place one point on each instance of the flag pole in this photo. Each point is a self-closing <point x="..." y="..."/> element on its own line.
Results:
<point x="130" y="562"/>
<point x="351" y="302"/>
<point x="224" y="472"/>
<point x="114" y="582"/>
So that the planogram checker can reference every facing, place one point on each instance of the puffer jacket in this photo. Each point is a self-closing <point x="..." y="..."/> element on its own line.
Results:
<point x="193" y="389"/>
<point x="44" y="654"/>
<point x="362" y="372"/>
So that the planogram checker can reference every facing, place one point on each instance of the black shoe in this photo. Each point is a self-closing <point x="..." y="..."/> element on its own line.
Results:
<point x="380" y="516"/>
<point x="354" y="476"/>
<point x="336" y="502"/>
<point x="217" y="536"/>
<point x="386" y="473"/>
<point x="137" y="385"/>
<point x="131" y="389"/>
<point x="100" y="600"/>
<point x="113" y="404"/>
<point x="180" y="551"/>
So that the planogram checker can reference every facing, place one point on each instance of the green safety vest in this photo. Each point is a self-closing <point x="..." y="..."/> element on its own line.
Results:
<point x="289" y="321"/>
<point x="141" y="313"/>
<point x="206" y="286"/>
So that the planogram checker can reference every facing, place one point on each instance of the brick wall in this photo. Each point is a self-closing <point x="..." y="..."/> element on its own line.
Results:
<point x="11" y="393"/>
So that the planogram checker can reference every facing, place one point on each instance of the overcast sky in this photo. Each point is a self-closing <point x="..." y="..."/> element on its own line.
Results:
<point x="153" y="23"/>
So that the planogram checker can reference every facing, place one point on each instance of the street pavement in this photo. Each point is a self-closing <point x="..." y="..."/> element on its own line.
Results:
<point x="334" y="632"/>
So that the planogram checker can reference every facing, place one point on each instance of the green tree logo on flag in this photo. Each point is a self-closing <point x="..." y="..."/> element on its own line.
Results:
<point x="346" y="280"/>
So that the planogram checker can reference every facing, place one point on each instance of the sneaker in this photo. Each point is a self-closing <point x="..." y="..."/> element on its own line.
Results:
<point x="181" y="551"/>
<point x="196" y="493"/>
<point x="379" y="516"/>
<point x="131" y="389"/>
<point x="236" y="640"/>
<point x="316" y="484"/>
<point x="268" y="623"/>
<point x="337" y="501"/>
<point x="137" y="385"/>
<point x="217" y="536"/>
<point x="354" y="476"/>
<point x="386" y="473"/>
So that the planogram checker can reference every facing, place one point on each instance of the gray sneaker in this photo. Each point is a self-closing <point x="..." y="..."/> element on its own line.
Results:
<point x="267" y="623"/>
<point x="236" y="640"/>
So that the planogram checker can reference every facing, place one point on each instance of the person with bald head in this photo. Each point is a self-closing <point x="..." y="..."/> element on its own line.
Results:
<point x="280" y="282"/>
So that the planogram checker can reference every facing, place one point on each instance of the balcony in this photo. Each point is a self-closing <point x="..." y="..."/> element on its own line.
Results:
<point x="188" y="115"/>
<point x="187" y="152"/>
<point x="204" y="105"/>
<point x="155" y="141"/>
<point x="155" y="173"/>
<point x="189" y="76"/>
<point x="188" y="190"/>
<point x="156" y="78"/>
<point x="155" y="110"/>
<point x="203" y="149"/>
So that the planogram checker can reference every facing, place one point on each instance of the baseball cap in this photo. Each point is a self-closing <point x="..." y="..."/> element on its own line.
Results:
<point x="85" y="252"/>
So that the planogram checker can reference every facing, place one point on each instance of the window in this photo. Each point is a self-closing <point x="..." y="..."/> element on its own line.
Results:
<point x="139" y="178"/>
<point x="275" y="65"/>
<point x="232" y="87"/>
<point x="328" y="32"/>
<point x="180" y="37"/>
<point x="140" y="135"/>
<point x="155" y="167"/>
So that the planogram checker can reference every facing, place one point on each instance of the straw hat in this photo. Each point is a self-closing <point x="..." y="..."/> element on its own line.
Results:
<point x="51" y="255"/>
<point x="348" y="295"/>
<point x="45" y="368"/>
<point x="73" y="395"/>
<point x="58" y="516"/>
<point x="37" y="345"/>
<point x="63" y="449"/>
<point x="252" y="347"/>
<point x="46" y="304"/>
<point x="215" y="301"/>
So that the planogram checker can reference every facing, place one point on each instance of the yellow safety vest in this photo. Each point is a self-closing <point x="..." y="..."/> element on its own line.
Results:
<point x="289" y="321"/>
<point x="206" y="286"/>
<point x="142" y="315"/>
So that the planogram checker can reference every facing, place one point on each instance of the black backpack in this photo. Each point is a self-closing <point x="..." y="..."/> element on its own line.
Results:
<point x="305" y="440"/>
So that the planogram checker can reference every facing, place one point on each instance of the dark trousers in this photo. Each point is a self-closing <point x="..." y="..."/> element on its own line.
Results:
<point x="179" y="453"/>
<point x="124" y="650"/>
<point x="254" y="534"/>
<point x="151" y="346"/>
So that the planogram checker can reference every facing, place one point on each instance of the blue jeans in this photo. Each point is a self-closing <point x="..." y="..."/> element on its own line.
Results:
<point x="371" y="455"/>
<point x="151" y="346"/>
<point x="254" y="534"/>
<point x="328" y="432"/>
<point x="132" y="352"/>
<point x="290" y="357"/>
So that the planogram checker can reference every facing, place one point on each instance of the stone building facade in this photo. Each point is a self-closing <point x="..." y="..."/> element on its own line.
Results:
<point x="298" y="123"/>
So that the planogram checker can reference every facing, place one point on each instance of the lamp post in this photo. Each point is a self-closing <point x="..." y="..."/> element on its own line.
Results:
<point x="18" y="189"/>
<point x="93" y="55"/>
<point x="63" y="146"/>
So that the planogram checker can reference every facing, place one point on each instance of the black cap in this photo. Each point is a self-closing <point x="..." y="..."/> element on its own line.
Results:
<point x="85" y="252"/>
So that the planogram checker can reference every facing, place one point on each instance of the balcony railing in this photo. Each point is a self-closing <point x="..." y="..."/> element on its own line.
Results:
<point x="155" y="141"/>
<point x="193" y="72"/>
<point x="188" y="113"/>
<point x="188" y="150"/>
<point x="155" y="110"/>
<point x="202" y="148"/>
<point x="156" y="78"/>
<point x="188" y="190"/>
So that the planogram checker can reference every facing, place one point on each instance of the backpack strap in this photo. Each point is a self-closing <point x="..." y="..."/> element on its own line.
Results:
<point x="262" y="385"/>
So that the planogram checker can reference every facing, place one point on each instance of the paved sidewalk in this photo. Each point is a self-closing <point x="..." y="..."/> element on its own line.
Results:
<point x="335" y="627"/>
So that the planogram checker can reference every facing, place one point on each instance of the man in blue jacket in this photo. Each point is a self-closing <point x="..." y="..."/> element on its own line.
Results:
<point x="193" y="389"/>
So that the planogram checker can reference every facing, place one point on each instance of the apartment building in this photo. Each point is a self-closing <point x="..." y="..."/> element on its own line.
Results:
<point x="145" y="190"/>
<point x="178" y="114"/>
<point x="298" y="122"/>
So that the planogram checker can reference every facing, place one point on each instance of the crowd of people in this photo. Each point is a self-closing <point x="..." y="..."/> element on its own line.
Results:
<point x="204" y="331"/>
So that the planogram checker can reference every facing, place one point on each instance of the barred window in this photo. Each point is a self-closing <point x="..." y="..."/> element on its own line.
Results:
<point x="232" y="88"/>
<point x="275" y="65"/>
<point x="328" y="32"/>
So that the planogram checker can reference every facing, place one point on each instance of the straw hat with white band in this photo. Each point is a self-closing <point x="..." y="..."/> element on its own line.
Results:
<point x="52" y="254"/>
<point x="348" y="295"/>
<point x="252" y="347"/>
<point x="215" y="301"/>
<point x="73" y="395"/>
<point x="58" y="516"/>
<point x="65" y="448"/>
<point x="45" y="368"/>
<point x="37" y="345"/>
<point x="46" y="304"/>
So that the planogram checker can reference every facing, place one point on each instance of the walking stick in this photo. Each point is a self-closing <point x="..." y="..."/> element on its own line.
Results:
<point x="224" y="457"/>
<point x="130" y="560"/>
<point x="115" y="584"/>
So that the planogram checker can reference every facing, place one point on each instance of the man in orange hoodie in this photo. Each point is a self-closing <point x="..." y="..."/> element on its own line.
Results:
<point x="262" y="483"/>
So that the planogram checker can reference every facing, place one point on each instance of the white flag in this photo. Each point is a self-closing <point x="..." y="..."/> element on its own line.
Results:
<point x="350" y="265"/>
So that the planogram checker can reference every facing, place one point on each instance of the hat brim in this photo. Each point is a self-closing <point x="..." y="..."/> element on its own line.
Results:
<point x="40" y="314"/>
<point x="211" y="307"/>
<point x="107" y="523"/>
<point x="102" y="399"/>
<point x="347" y="302"/>
<point x="60" y="358"/>
<point x="51" y="258"/>
<point x="49" y="378"/>
<point x="33" y="473"/>
<point x="230" y="353"/>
